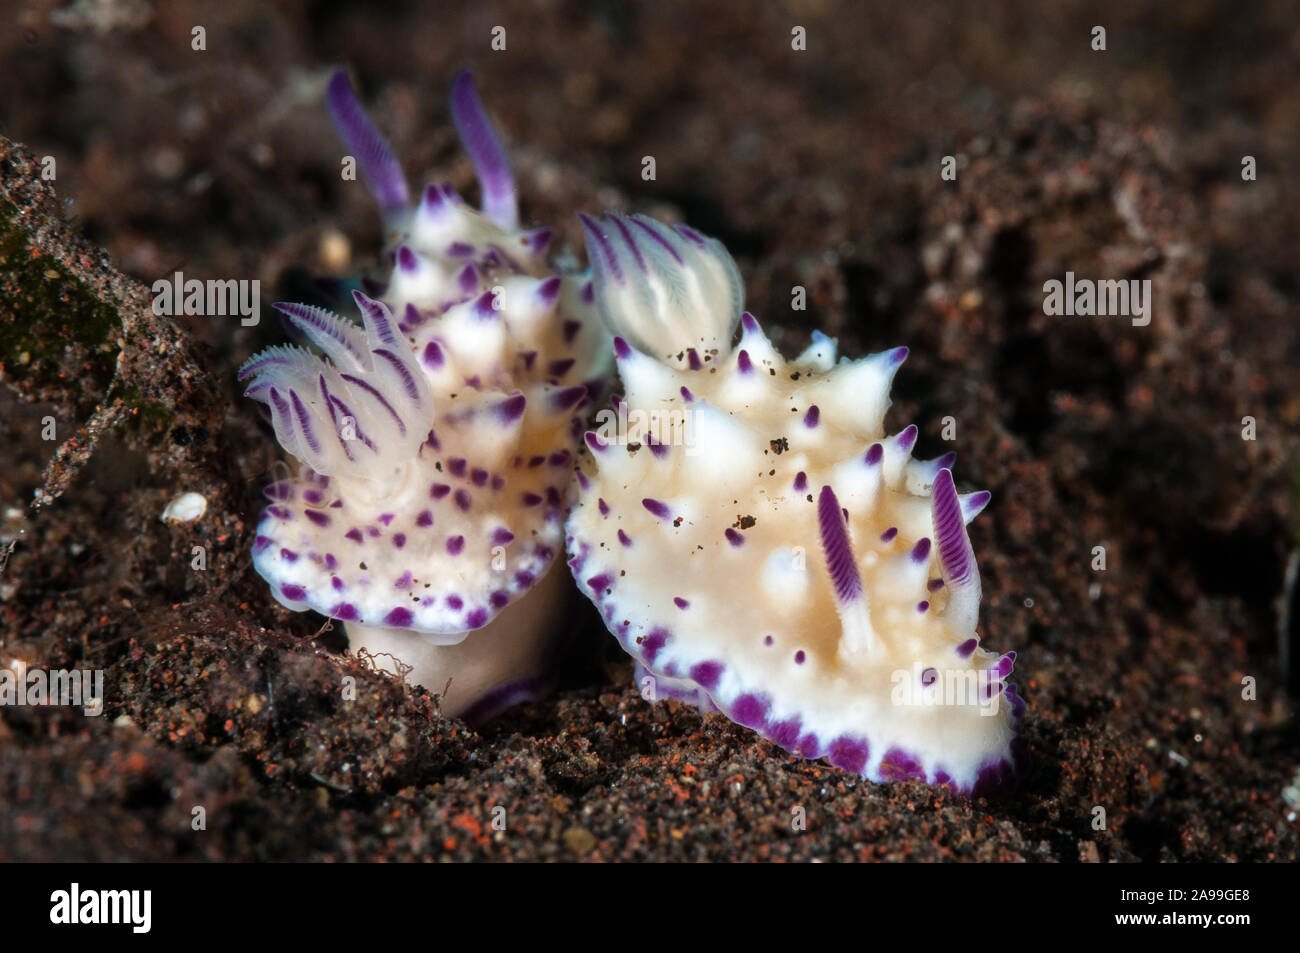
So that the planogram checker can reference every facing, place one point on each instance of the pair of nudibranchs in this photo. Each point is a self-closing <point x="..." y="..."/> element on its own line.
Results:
<point x="747" y="530"/>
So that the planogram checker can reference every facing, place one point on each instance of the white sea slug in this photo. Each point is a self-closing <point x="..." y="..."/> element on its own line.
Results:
<point x="436" y="441"/>
<point x="759" y="545"/>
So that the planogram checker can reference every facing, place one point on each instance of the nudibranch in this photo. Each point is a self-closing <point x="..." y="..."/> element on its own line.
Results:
<point x="436" y="440"/>
<point x="760" y="546"/>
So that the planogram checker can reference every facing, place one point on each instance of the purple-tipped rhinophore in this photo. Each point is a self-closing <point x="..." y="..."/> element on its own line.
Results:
<point x="379" y="166"/>
<point x="837" y="548"/>
<point x="491" y="164"/>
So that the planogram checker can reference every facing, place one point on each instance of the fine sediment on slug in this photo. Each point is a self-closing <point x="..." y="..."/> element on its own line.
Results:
<point x="758" y="543"/>
<point x="436" y="440"/>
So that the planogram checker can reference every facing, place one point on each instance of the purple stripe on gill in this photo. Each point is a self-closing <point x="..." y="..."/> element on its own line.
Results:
<point x="377" y="313"/>
<point x="491" y="164"/>
<point x="271" y="359"/>
<point x="304" y="422"/>
<point x="626" y="233"/>
<point x="650" y="230"/>
<point x="281" y="408"/>
<point x="838" y="549"/>
<point x="597" y="242"/>
<point x="379" y="166"/>
<point x="356" y="426"/>
<point x="307" y="318"/>
<point x="689" y="234"/>
<point x="334" y="417"/>
<point x="408" y="382"/>
<point x="358" y="382"/>
<point x="949" y="530"/>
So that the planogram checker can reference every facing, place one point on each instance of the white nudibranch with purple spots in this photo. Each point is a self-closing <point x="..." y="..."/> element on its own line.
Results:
<point x="436" y="440"/>
<point x="778" y="556"/>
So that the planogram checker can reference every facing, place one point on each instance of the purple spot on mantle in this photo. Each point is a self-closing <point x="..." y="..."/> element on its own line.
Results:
<point x="652" y="643"/>
<point x="345" y="611"/>
<point x="800" y="657"/>
<point x="400" y="617"/>
<point x="706" y="674"/>
<point x="967" y="648"/>
<point x="889" y="534"/>
<point x="811" y="418"/>
<point x="681" y="603"/>
<point x="476" y="618"/>
<point x="656" y="508"/>
<point x="734" y="538"/>
<point x="901" y="766"/>
<point x="399" y="540"/>
<point x="848" y="754"/>
<point x="750" y="711"/>
<point x="294" y="593"/>
<point x="455" y="545"/>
